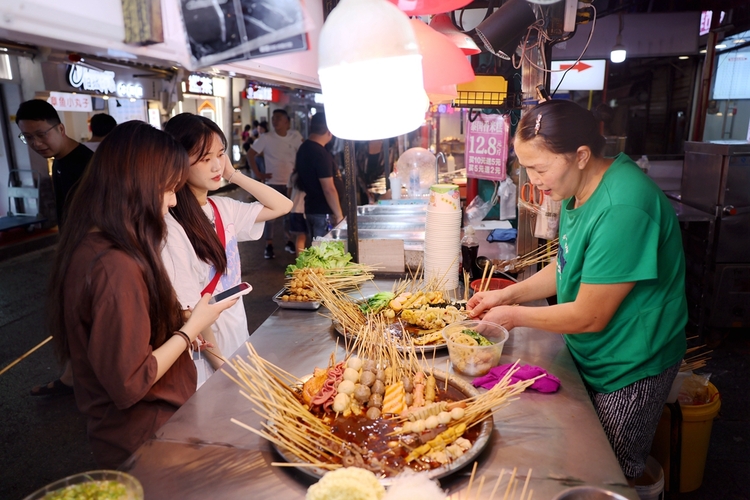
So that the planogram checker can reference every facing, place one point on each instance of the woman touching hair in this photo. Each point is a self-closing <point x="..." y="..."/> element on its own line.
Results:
<point x="113" y="312"/>
<point x="619" y="276"/>
<point x="201" y="254"/>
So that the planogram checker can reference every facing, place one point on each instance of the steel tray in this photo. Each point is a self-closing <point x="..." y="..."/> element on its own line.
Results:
<point x="310" y="305"/>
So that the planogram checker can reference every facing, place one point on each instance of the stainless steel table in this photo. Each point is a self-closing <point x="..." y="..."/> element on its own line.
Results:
<point x="200" y="454"/>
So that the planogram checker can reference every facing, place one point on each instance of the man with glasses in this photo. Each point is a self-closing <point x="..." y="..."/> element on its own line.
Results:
<point x="42" y="130"/>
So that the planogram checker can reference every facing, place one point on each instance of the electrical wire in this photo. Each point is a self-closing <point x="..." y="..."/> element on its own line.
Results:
<point x="585" y="48"/>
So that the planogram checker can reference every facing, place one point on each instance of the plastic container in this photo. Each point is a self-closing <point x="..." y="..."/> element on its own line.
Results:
<point x="395" y="186"/>
<point x="475" y="360"/>
<point x="677" y="385"/>
<point x="495" y="284"/>
<point x="131" y="488"/>
<point x="650" y="485"/>
<point x="697" y="421"/>
<point x="415" y="184"/>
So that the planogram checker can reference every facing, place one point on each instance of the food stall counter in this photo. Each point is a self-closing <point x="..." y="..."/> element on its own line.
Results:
<point x="200" y="453"/>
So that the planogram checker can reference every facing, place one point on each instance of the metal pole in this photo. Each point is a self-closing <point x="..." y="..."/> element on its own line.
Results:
<point x="350" y="172"/>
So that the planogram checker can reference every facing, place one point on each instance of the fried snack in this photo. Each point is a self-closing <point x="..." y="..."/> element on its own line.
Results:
<point x="314" y="384"/>
<point x="394" y="400"/>
<point x="438" y="443"/>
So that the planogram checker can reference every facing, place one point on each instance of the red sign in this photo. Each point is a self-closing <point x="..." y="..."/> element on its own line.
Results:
<point x="486" y="149"/>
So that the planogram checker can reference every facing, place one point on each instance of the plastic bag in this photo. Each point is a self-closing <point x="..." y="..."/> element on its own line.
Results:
<point x="694" y="390"/>
<point x="548" y="219"/>
<point x="476" y="211"/>
<point x="507" y="192"/>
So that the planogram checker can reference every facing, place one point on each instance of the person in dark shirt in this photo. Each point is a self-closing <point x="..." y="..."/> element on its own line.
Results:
<point x="100" y="125"/>
<point x="42" y="130"/>
<point x="316" y="170"/>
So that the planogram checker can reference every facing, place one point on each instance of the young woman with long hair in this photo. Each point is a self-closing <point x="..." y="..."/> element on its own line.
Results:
<point x="201" y="254"/>
<point x="113" y="312"/>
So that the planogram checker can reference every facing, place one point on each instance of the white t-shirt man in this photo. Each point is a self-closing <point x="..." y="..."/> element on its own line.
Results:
<point x="190" y="275"/>
<point x="279" y="154"/>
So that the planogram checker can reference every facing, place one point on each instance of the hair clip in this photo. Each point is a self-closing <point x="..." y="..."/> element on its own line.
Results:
<point x="538" y="124"/>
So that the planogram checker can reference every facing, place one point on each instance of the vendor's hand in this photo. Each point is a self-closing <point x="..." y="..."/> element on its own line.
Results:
<point x="200" y="344"/>
<point x="480" y="302"/>
<point x="501" y="315"/>
<point x="204" y="315"/>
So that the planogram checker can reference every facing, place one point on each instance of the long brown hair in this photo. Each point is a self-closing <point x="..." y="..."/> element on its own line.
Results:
<point x="196" y="134"/>
<point x="121" y="194"/>
<point x="564" y="126"/>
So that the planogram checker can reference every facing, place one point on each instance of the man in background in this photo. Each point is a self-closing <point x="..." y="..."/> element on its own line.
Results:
<point x="279" y="149"/>
<point x="100" y="125"/>
<point x="42" y="130"/>
<point x="316" y="170"/>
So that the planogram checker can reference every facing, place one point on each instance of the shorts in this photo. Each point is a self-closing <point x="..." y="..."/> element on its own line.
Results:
<point x="297" y="224"/>
<point x="630" y="415"/>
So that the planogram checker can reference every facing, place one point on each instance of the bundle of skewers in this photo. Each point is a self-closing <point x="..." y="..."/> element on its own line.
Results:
<point x="299" y="287"/>
<point x="695" y="360"/>
<point x="543" y="254"/>
<point x="510" y="488"/>
<point x="301" y="417"/>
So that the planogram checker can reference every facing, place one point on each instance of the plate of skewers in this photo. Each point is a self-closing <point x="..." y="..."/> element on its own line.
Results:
<point x="379" y="409"/>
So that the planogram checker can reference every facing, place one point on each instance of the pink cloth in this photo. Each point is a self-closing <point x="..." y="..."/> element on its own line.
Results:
<point x="550" y="383"/>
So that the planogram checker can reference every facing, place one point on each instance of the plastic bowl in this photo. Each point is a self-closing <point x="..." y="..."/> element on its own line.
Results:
<point x="127" y="485"/>
<point x="475" y="360"/>
<point x="495" y="284"/>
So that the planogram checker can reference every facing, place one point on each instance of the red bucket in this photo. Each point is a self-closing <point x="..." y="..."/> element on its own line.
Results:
<point x="495" y="284"/>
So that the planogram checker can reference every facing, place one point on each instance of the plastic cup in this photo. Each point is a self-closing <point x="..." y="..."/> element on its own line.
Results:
<point x="129" y="486"/>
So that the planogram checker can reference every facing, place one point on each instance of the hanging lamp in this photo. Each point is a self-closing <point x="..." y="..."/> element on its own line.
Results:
<point x="443" y="64"/>
<point x="442" y="23"/>
<point x="619" y="53"/>
<point x="370" y="71"/>
<point x="424" y="7"/>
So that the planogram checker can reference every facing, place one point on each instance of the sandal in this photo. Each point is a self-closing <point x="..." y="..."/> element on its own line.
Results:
<point x="54" y="388"/>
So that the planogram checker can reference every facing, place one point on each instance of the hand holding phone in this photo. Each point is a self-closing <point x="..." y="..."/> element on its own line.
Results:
<point x="231" y="293"/>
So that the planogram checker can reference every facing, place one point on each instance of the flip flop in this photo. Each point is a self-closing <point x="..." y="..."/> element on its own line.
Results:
<point x="58" y="389"/>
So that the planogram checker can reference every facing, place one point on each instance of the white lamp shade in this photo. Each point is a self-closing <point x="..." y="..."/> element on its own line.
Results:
<point x="370" y="71"/>
<point x="618" y="54"/>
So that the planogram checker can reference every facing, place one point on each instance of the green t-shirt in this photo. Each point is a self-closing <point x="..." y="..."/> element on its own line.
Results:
<point x="626" y="231"/>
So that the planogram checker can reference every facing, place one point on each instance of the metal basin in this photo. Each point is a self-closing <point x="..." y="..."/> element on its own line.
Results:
<point x="395" y="210"/>
<point x="408" y="235"/>
<point x="588" y="493"/>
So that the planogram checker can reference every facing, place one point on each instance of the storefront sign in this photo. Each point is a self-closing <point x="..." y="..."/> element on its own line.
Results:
<point x="486" y="150"/>
<point x="101" y="81"/>
<point x="263" y="93"/>
<point x="199" y="84"/>
<point x="70" y="102"/>
<point x="89" y="79"/>
<point x="579" y="75"/>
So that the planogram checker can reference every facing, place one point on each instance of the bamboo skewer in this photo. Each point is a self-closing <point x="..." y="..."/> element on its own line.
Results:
<point x="23" y="356"/>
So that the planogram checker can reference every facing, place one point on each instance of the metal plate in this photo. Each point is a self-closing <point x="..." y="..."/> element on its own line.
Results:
<point x="421" y="348"/>
<point x="483" y="438"/>
<point x="310" y="305"/>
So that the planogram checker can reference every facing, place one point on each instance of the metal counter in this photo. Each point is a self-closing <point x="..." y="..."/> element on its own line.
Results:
<point x="200" y="454"/>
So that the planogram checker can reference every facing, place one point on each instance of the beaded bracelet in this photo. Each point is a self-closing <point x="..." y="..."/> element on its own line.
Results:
<point x="187" y="339"/>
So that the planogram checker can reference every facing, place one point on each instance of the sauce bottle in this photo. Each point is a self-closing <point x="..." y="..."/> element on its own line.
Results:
<point x="469" y="251"/>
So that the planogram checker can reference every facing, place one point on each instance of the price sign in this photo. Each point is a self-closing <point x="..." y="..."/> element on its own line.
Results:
<point x="486" y="153"/>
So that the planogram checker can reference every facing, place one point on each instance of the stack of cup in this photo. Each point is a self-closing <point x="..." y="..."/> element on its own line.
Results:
<point x="442" y="243"/>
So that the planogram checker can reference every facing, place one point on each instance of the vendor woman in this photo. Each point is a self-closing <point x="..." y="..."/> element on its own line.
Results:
<point x="619" y="278"/>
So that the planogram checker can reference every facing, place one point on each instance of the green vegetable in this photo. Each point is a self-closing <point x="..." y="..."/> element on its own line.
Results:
<point x="481" y="340"/>
<point x="328" y="255"/>
<point x="92" y="490"/>
<point x="376" y="302"/>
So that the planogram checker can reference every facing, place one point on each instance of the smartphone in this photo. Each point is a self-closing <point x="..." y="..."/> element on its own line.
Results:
<point x="231" y="293"/>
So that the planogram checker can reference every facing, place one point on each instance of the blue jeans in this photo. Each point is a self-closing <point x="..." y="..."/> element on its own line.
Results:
<point x="317" y="224"/>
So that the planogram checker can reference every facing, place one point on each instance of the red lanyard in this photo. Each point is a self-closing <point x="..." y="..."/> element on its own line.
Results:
<point x="222" y="238"/>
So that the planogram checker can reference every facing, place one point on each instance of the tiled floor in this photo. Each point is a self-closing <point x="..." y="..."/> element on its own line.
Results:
<point x="43" y="439"/>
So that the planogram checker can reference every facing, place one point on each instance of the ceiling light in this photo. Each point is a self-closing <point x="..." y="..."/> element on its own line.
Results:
<point x="105" y="97"/>
<point x="619" y="53"/>
<point x="684" y="57"/>
<point x="443" y="24"/>
<point x="368" y="51"/>
<point x="721" y="46"/>
<point x="738" y="41"/>
<point x="443" y="64"/>
<point x="424" y="7"/>
<point x="703" y="51"/>
<point x="502" y="31"/>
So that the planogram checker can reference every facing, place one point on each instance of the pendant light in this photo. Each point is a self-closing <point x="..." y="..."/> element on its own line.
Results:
<point x="619" y="53"/>
<point x="424" y="7"/>
<point x="443" y="64"/>
<point x="442" y="24"/>
<point x="370" y="71"/>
